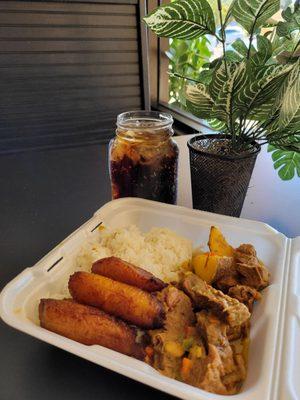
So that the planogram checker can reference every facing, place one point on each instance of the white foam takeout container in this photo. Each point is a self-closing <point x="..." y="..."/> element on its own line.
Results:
<point x="274" y="359"/>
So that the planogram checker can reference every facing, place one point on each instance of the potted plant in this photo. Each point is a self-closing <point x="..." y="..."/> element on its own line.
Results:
<point x="250" y="95"/>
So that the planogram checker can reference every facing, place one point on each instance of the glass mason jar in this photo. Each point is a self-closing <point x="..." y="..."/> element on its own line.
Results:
<point x="143" y="157"/>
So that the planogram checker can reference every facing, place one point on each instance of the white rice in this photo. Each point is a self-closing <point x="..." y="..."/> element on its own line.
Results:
<point x="160" y="251"/>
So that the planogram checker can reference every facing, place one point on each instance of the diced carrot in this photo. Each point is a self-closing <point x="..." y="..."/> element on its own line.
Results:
<point x="149" y="351"/>
<point x="186" y="367"/>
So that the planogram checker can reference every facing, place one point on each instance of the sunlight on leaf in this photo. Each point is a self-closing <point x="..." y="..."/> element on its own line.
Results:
<point x="198" y="100"/>
<point x="252" y="14"/>
<point x="182" y="19"/>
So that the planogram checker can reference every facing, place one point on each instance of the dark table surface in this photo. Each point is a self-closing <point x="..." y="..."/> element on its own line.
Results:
<point x="45" y="195"/>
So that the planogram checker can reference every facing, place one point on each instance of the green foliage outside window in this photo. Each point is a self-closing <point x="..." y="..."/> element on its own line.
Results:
<point x="186" y="58"/>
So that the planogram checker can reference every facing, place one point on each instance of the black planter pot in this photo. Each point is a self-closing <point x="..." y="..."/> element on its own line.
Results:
<point x="219" y="182"/>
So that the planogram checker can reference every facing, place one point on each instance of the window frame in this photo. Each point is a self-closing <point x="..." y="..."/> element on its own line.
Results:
<point x="158" y="80"/>
<point x="144" y="48"/>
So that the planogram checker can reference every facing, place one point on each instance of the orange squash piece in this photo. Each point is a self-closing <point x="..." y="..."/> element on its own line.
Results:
<point x="218" y="244"/>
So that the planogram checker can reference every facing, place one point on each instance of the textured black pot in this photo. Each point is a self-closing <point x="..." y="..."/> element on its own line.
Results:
<point x="219" y="182"/>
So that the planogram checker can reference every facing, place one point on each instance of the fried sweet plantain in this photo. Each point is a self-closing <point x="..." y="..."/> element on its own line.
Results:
<point x="88" y="325"/>
<point x="122" y="271"/>
<point x="127" y="302"/>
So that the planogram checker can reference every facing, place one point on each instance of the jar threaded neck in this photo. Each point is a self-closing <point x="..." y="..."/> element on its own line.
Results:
<point x="144" y="120"/>
<point x="144" y="126"/>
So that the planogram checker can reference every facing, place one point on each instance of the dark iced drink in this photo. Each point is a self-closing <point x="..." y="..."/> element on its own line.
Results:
<point x="144" y="158"/>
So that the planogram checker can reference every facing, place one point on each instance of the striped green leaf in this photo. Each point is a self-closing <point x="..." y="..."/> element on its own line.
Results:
<point x="217" y="125"/>
<point x="226" y="85"/>
<point x="281" y="141"/>
<point x="289" y="56"/>
<point x="263" y="111"/>
<point x="252" y="14"/>
<point x="232" y="56"/>
<point x="205" y="76"/>
<point x="198" y="100"/>
<point x="220" y="78"/>
<point x="268" y="111"/>
<point x="182" y="19"/>
<point x="228" y="16"/>
<point x="264" y="51"/>
<point x="289" y="116"/>
<point x="291" y="23"/>
<point x="285" y="110"/>
<point x="263" y="84"/>
<point x="240" y="47"/>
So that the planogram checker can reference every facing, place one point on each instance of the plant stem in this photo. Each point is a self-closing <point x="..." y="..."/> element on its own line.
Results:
<point x="244" y="124"/>
<point x="219" y="38"/>
<point x="247" y="124"/>
<point x="250" y="42"/>
<point x="223" y="41"/>
<point x="223" y="36"/>
<point x="249" y="129"/>
<point x="183" y="77"/>
<point x="257" y="127"/>
<point x="260" y="11"/>
<point x="231" y="122"/>
<point x="240" y="126"/>
<point x="278" y="137"/>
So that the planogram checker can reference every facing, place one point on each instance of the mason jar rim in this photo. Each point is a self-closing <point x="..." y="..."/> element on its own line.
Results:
<point x="134" y="120"/>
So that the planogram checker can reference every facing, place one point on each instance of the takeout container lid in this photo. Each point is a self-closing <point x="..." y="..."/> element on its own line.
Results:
<point x="274" y="358"/>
